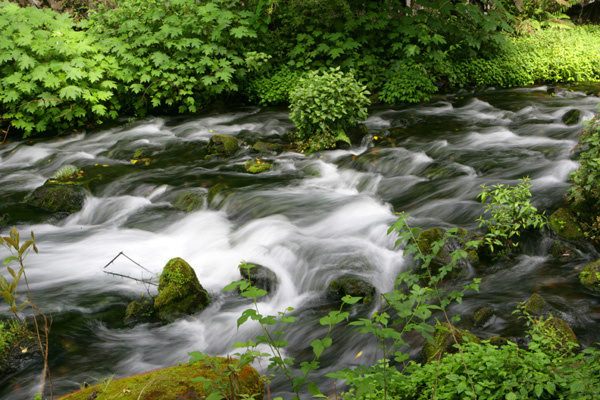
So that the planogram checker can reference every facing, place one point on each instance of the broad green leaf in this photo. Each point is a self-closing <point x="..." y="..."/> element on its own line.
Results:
<point x="70" y="92"/>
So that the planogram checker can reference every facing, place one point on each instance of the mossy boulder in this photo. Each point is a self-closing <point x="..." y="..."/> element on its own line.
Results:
<point x="590" y="276"/>
<point x="565" y="224"/>
<point x="571" y="117"/>
<point x="259" y="276"/>
<point x="18" y="346"/>
<point x="429" y="236"/>
<point x="482" y="316"/>
<point x="256" y="166"/>
<point x="559" y="334"/>
<point x="189" y="202"/>
<point x="140" y="311"/>
<point x="175" y="383"/>
<point x="58" y="197"/>
<point x="444" y="339"/>
<point x="355" y="287"/>
<point x="179" y="291"/>
<point x="536" y="305"/>
<point x="560" y="251"/>
<point x="223" y="144"/>
<point x="264" y="147"/>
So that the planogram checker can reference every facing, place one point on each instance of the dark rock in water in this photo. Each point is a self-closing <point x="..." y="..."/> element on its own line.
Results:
<point x="223" y="144"/>
<point x="264" y="147"/>
<point x="565" y="224"/>
<point x="259" y="276"/>
<point x="140" y="311"/>
<point x="445" y="337"/>
<point x="571" y="117"/>
<point x="188" y="202"/>
<point x="3" y="220"/>
<point x="482" y="315"/>
<point x="179" y="291"/>
<point x="561" y="251"/>
<point x="357" y="133"/>
<point x="427" y="237"/>
<point x="58" y="197"/>
<point x="18" y="347"/>
<point x="590" y="276"/>
<point x="355" y="287"/>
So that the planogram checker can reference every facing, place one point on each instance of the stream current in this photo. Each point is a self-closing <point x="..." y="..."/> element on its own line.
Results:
<point x="310" y="219"/>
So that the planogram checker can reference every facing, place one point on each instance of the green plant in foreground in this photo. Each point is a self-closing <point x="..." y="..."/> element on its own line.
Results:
<point x="324" y="105"/>
<point x="511" y="212"/>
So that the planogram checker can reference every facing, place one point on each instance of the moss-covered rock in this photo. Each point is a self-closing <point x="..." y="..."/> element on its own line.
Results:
<point x="179" y="291"/>
<point x="188" y="202"/>
<point x="536" y="305"/>
<point x="590" y="276"/>
<point x="445" y="337"/>
<point x="174" y="383"/>
<point x="498" y="341"/>
<point x="427" y="237"/>
<point x="17" y="346"/>
<point x="223" y="144"/>
<point x="560" y="251"/>
<point x="482" y="315"/>
<point x="355" y="287"/>
<point x="257" y="165"/>
<point x="259" y="276"/>
<point x="571" y="117"/>
<point x="264" y="147"/>
<point x="140" y="311"/>
<point x="565" y="224"/>
<point x="58" y="197"/>
<point x="558" y="335"/>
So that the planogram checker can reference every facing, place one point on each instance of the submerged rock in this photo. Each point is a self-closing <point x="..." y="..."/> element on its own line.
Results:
<point x="259" y="276"/>
<point x="444" y="339"/>
<point x="355" y="287"/>
<point x="188" y="202"/>
<point x="176" y="383"/>
<point x="565" y="224"/>
<point x="590" y="276"/>
<point x="179" y="291"/>
<point x="140" y="311"/>
<point x="58" y="197"/>
<point x="265" y="147"/>
<point x="223" y="144"/>
<point x="482" y="315"/>
<point x="257" y="165"/>
<point x="571" y="117"/>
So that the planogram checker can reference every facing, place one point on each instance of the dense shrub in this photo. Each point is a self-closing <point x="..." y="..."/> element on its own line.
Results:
<point x="275" y="88"/>
<point x="325" y="104"/>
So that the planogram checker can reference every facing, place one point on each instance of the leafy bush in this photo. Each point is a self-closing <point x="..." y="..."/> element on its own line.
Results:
<point x="511" y="211"/>
<point x="407" y="82"/>
<point x="52" y="77"/>
<point x="324" y="105"/>
<point x="585" y="190"/>
<point x="276" y="88"/>
<point x="178" y="54"/>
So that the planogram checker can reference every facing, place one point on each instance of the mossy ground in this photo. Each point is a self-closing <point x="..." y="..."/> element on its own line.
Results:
<point x="171" y="383"/>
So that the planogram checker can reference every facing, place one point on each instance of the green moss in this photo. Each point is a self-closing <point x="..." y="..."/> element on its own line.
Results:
<point x="188" y="202"/>
<point x="14" y="337"/>
<point x="590" y="276"/>
<point x="427" y="237"/>
<point x="58" y="197"/>
<point x="571" y="117"/>
<point x="179" y="291"/>
<point x="559" y="334"/>
<point x="444" y="339"/>
<point x="355" y="287"/>
<point x="482" y="315"/>
<point x="256" y="166"/>
<point x="172" y="383"/>
<point x="565" y="224"/>
<point x="139" y="311"/>
<point x="536" y="305"/>
<point x="223" y="144"/>
<point x="264" y="147"/>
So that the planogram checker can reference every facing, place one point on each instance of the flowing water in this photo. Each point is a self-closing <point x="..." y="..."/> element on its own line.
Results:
<point x="310" y="219"/>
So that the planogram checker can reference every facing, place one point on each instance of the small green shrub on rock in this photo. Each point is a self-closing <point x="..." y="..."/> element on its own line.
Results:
<point x="324" y="105"/>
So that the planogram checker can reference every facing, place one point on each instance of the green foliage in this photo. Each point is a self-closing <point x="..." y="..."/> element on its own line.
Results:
<point x="324" y="105"/>
<point x="536" y="14"/>
<point x="511" y="212"/>
<point x="585" y="190"/>
<point x="52" y="77"/>
<point x="178" y="54"/>
<point x="271" y="89"/>
<point x="407" y="82"/>
<point x="66" y="172"/>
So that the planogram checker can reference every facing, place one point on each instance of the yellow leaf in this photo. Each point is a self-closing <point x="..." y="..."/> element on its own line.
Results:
<point x="358" y="355"/>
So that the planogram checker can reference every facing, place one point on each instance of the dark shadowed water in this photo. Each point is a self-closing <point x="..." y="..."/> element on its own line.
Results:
<point x="310" y="219"/>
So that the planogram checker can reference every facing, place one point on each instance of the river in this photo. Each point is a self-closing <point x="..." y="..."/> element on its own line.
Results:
<point x="310" y="219"/>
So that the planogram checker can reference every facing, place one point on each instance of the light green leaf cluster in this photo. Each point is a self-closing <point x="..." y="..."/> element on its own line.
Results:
<point x="324" y="105"/>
